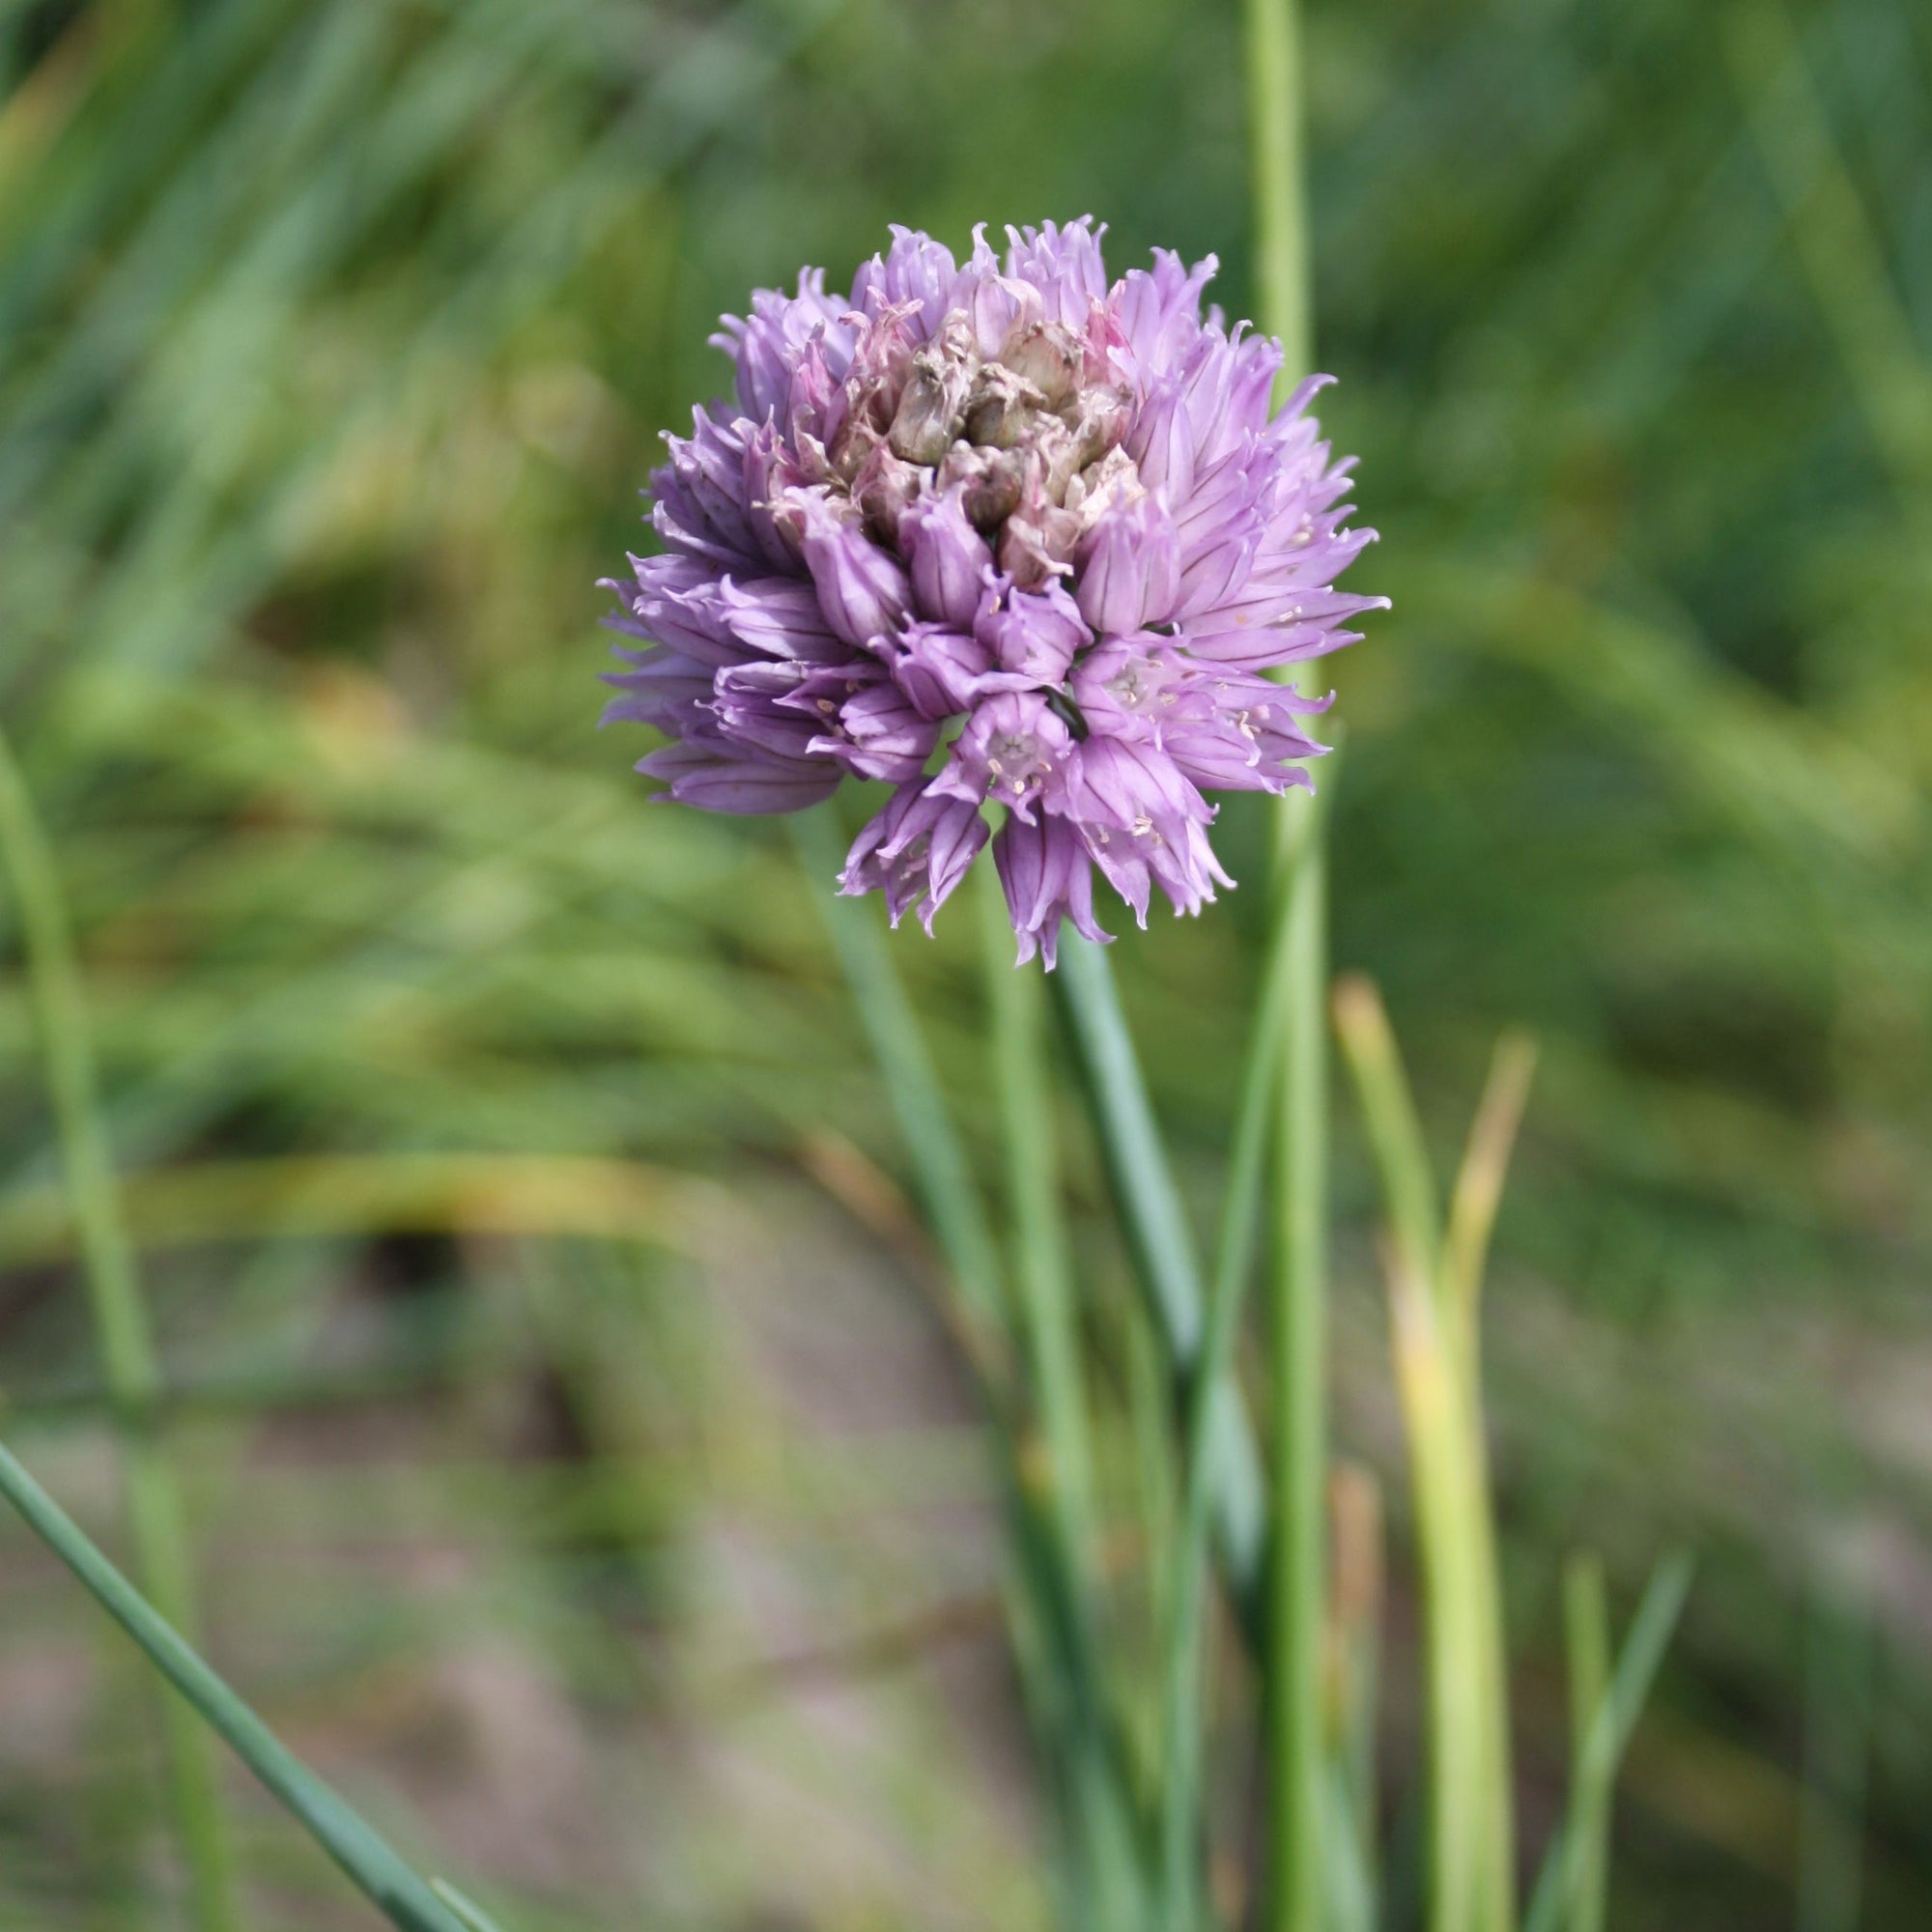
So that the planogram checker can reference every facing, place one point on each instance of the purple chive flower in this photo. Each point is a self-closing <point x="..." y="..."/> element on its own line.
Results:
<point x="1007" y="534"/>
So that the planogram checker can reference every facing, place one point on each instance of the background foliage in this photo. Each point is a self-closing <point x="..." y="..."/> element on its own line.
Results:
<point x="577" y="1471"/>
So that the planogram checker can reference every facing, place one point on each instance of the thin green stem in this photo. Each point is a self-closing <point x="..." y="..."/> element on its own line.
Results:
<point x="1161" y="1246"/>
<point x="1298" y="1338"/>
<point x="1186" y="1663"/>
<point x="1273" y="48"/>
<point x="131" y="1369"/>
<point x="404" y="1897"/>
<point x="1298" y="1325"/>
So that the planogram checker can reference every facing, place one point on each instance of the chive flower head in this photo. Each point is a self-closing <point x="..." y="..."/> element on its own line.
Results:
<point x="1005" y="534"/>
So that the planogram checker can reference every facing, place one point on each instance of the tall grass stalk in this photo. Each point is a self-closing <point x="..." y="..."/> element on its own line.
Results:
<point x="121" y="1329"/>
<point x="1294" y="1755"/>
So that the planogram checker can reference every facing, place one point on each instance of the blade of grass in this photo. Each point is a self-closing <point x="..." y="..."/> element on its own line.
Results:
<point x="1438" y="1358"/>
<point x="1473" y="1212"/>
<point x="120" y="1314"/>
<point x="1616" y="1716"/>
<point x="1395" y="1134"/>
<point x="1185" y="1664"/>
<point x="367" y="1859"/>
<point x="1586" y="1619"/>
<point x="1479" y="1182"/>
<point x="1154" y="1224"/>
<point x="1433" y="1417"/>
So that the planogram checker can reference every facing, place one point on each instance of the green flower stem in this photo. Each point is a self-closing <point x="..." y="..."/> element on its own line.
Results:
<point x="131" y="1369"/>
<point x="1162" y="1248"/>
<point x="405" y="1898"/>
<point x="1297" y="1593"/>
<point x="1186" y="1664"/>
<point x="1273" y="50"/>
<point x="1297" y="1328"/>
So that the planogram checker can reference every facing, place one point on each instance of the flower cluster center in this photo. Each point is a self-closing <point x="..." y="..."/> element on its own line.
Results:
<point x="1030" y="438"/>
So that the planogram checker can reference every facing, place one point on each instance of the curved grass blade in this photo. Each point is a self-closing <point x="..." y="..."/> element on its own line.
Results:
<point x="1438" y="1370"/>
<point x="1161" y="1245"/>
<point x="1479" y="1182"/>
<point x="133" y="1372"/>
<point x="1610" y="1730"/>
<point x="405" y="1898"/>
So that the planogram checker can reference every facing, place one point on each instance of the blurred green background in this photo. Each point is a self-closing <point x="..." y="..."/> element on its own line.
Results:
<point x="579" y="1473"/>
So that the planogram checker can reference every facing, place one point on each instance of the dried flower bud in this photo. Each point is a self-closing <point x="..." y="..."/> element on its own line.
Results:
<point x="885" y="489"/>
<point x="1002" y="409"/>
<point x="1048" y="356"/>
<point x="991" y="481"/>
